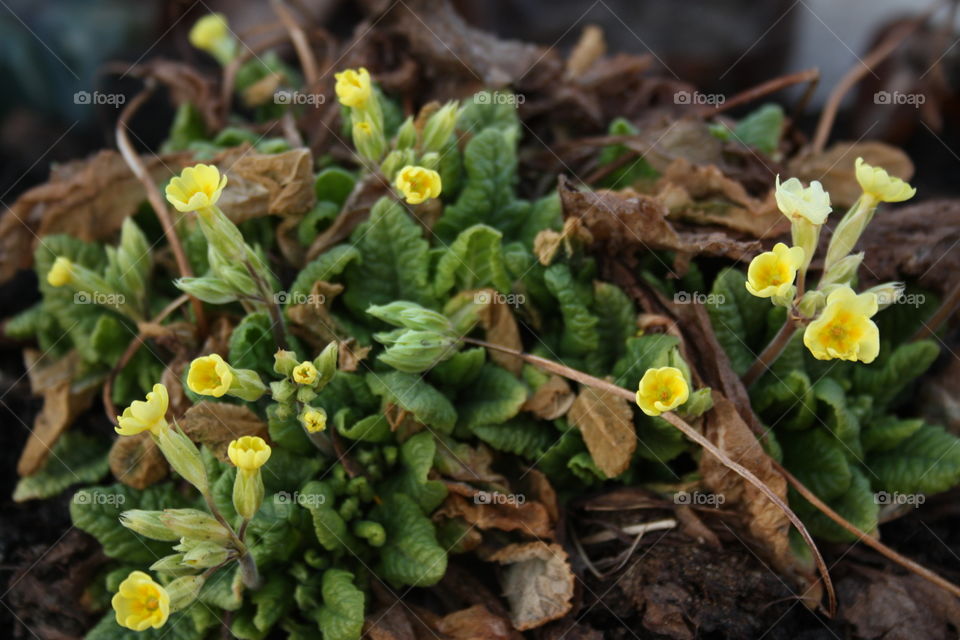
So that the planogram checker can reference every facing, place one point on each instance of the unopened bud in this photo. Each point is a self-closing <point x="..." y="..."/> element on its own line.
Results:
<point x="184" y="458"/>
<point x="284" y="361"/>
<point x="197" y="525"/>
<point x="183" y="591"/>
<point x="844" y="271"/>
<point x="326" y="364"/>
<point x="407" y="134"/>
<point x="440" y="126"/>
<point x="247" y="493"/>
<point x="147" y="524"/>
<point x="887" y="293"/>
<point x="205" y="555"/>
<point x="172" y="565"/>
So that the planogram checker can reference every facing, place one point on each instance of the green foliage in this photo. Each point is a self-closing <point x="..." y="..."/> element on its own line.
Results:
<point x="413" y="394"/>
<point x="474" y="260"/>
<point x="75" y="458"/>
<point x="411" y="556"/>
<point x="494" y="397"/>
<point x="760" y="129"/>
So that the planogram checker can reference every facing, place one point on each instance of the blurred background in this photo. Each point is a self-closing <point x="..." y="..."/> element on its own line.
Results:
<point x="52" y="49"/>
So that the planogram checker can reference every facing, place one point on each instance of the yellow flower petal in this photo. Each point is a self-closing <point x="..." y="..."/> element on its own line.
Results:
<point x="772" y="273"/>
<point x="353" y="87"/>
<point x="795" y="201"/>
<point x="198" y="187"/>
<point x="305" y="373"/>
<point x="141" y="603"/>
<point x="844" y="330"/>
<point x="61" y="273"/>
<point x="210" y="376"/>
<point x="661" y="390"/>
<point x="149" y="415"/>
<point x="418" y="184"/>
<point x="880" y="185"/>
<point x="249" y="453"/>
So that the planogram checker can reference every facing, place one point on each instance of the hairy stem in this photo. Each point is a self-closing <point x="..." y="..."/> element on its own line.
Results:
<point x="769" y="355"/>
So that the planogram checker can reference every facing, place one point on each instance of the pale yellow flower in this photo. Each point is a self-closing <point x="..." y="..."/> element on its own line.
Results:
<point x="418" y="184"/>
<point x="149" y="415"/>
<point x="794" y="201"/>
<point x="249" y="453"/>
<point x="353" y="87"/>
<point x="198" y="187"/>
<point x="305" y="373"/>
<point x="662" y="389"/>
<point x="314" y="421"/>
<point x="209" y="31"/>
<point x="772" y="273"/>
<point x="61" y="273"/>
<point x="844" y="329"/>
<point x="141" y="603"/>
<point x="210" y="376"/>
<point x="880" y="185"/>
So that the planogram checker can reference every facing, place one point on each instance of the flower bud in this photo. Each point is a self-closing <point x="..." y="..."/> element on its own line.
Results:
<point x="844" y="271"/>
<point x="196" y="525"/>
<point x="406" y="134"/>
<point x="305" y="373"/>
<point x="147" y="524"/>
<point x="430" y="161"/>
<point x="811" y="303"/>
<point x="212" y="376"/>
<point x="305" y="394"/>
<point x="172" y="565"/>
<point x="282" y="391"/>
<point x="392" y="163"/>
<point x="284" y="361"/>
<point x="247" y="493"/>
<point x="326" y="364"/>
<point x="206" y="288"/>
<point x="849" y="230"/>
<point x="806" y="235"/>
<point x="887" y="293"/>
<point x="440" y="126"/>
<point x="205" y="555"/>
<point x="212" y="34"/>
<point x="183" y="591"/>
<point x="417" y="351"/>
<point x="368" y="140"/>
<point x="184" y="458"/>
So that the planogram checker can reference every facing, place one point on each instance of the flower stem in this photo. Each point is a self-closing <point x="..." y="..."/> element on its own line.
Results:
<point x="769" y="355"/>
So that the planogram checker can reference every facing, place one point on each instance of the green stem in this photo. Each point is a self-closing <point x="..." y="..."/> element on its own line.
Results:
<point x="769" y="355"/>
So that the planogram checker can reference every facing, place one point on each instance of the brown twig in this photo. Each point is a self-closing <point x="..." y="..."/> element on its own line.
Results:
<point x="696" y="436"/>
<point x="131" y="351"/>
<point x="300" y="42"/>
<point x="876" y="55"/>
<point x="770" y="353"/>
<point x="944" y="311"/>
<point x="810" y="76"/>
<point x="870" y="541"/>
<point x="133" y="160"/>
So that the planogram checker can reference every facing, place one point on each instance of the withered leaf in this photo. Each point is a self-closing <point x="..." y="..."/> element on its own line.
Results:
<point x="320" y="327"/>
<point x="261" y="184"/>
<point x="389" y="624"/>
<point x="551" y="400"/>
<point x="215" y="424"/>
<point x="501" y="328"/>
<point x="538" y="487"/>
<point x="537" y="582"/>
<point x="476" y="623"/>
<point x="834" y="167"/>
<point x="589" y="48"/>
<point x="136" y="461"/>
<point x="895" y="607"/>
<point x="493" y="510"/>
<point x="606" y="422"/>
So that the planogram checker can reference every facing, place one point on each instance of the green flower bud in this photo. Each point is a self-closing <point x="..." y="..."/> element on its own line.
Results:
<point x="785" y="299"/>
<point x="392" y="164"/>
<point x="806" y="235"/>
<point x="196" y="525"/>
<point x="887" y="293"/>
<point x="326" y="364"/>
<point x="406" y="134"/>
<point x="410" y="315"/>
<point x="306" y="394"/>
<point x="224" y="239"/>
<point x="811" y="303"/>
<point x="247" y="385"/>
<point x="247" y="493"/>
<point x="183" y="591"/>
<point x="172" y="565"/>
<point x="208" y="289"/>
<point x="205" y="555"/>
<point x="368" y="140"/>
<point x="147" y="524"/>
<point x="282" y="391"/>
<point x="184" y="458"/>
<point x="430" y="161"/>
<point x="417" y="351"/>
<point x="848" y="231"/>
<point x="844" y="271"/>
<point x="284" y="361"/>
<point x="440" y="126"/>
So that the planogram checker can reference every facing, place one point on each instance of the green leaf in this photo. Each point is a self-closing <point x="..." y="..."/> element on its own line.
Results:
<point x="460" y="370"/>
<point x="642" y="353"/>
<point x="411" y="556"/>
<point x="334" y="184"/>
<point x="840" y="420"/>
<point x="657" y="439"/>
<point x="738" y="318"/>
<point x="394" y="260"/>
<point x="97" y="510"/>
<point x="474" y="260"/>
<point x="417" y="454"/>
<point x="188" y="126"/>
<point x="818" y="459"/>
<point x="331" y="530"/>
<point x="857" y="504"/>
<point x="490" y="160"/>
<point x="251" y="345"/>
<point x="522" y="436"/>
<point x="545" y="213"/>
<point x="617" y="322"/>
<point x="788" y="402"/>
<point x="273" y="600"/>
<point x="637" y="169"/>
<point x="287" y="431"/>
<point x="75" y="458"/>
<point x="341" y="615"/>
<point x="373" y="428"/>
<point x="323" y="268"/>
<point x="885" y="433"/>
<point x="580" y="335"/>
<point x="761" y="128"/>
<point x="926" y="462"/>
<point x="494" y="397"/>
<point x="224" y="589"/>
<point x="890" y="374"/>
<point x="486" y="110"/>
<point x="413" y="394"/>
<point x="179" y="627"/>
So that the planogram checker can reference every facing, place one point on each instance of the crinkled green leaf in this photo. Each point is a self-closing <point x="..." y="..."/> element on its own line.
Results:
<point x="460" y="370"/>
<point x="522" y="436"/>
<point x="617" y="322"/>
<point x="580" y="334"/>
<point x="373" y="428"/>
<point x="252" y="346"/>
<point x="838" y="417"/>
<point x="273" y="600"/>
<point x="179" y="627"/>
<point x="884" y="434"/>
<point x="892" y="372"/>
<point x="417" y="454"/>
<point x="411" y="555"/>
<point x="494" y="397"/>
<point x="738" y="318"/>
<point x="545" y="213"/>
<point x="75" y="458"/>
<point x="819" y="460"/>
<point x="224" y="589"/>
<point x="761" y="128"/>
<point x="334" y="184"/>
<point x="657" y="439"/>
<point x="330" y="528"/>
<point x="856" y="504"/>
<point x="473" y="261"/>
<point x="341" y="615"/>
<point x="926" y="462"/>
<point x="324" y="268"/>
<point x="642" y="353"/>
<point x="490" y="110"/>
<point x="411" y="393"/>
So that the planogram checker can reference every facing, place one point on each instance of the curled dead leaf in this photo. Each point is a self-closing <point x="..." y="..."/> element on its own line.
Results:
<point x="476" y="623"/>
<point x="589" y="48"/>
<point x="537" y="582"/>
<point x="137" y="462"/>
<point x="606" y="422"/>
<point x="215" y="424"/>
<point x="551" y="400"/>
<point x="494" y="510"/>
<point x="261" y="184"/>
<point x="501" y="328"/>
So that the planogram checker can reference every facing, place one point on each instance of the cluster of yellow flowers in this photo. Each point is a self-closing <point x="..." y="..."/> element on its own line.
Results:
<point x="838" y="320"/>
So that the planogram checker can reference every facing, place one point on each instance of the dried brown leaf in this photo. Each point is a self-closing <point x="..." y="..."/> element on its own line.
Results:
<point x="261" y="184"/>
<point x="320" y="328"/>
<point x="501" y="328"/>
<point x="538" y="487"/>
<point x="215" y="424"/>
<point x="137" y="462"/>
<point x="476" y="623"/>
<point x="492" y="510"/>
<point x="537" y="582"/>
<point x="606" y="422"/>
<point x="895" y="607"/>
<point x="551" y="400"/>
<point x="388" y="624"/>
<point x="834" y="168"/>
<point x="589" y="48"/>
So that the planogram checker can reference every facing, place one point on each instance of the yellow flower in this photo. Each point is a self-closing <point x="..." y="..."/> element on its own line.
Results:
<point x="305" y="373"/>
<point x="844" y="330"/>
<point x="795" y="201"/>
<point x="314" y="421"/>
<point x="146" y="415"/>
<point x="418" y="184"/>
<point x="353" y="87"/>
<point x="209" y="31"/>
<point x="141" y="603"/>
<point x="880" y="185"/>
<point x="61" y="273"/>
<point x="210" y="376"/>
<point x="248" y="453"/>
<point x="198" y="187"/>
<point x="662" y="390"/>
<point x="771" y="273"/>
